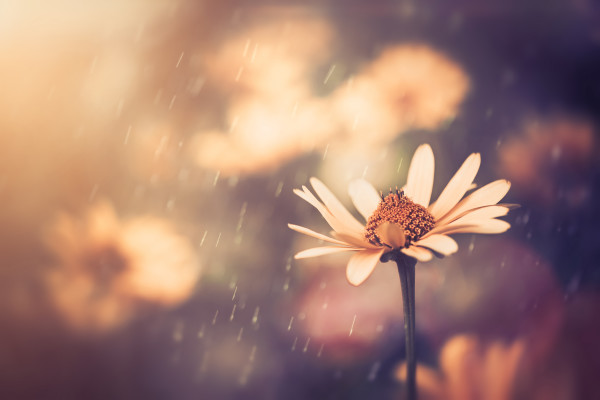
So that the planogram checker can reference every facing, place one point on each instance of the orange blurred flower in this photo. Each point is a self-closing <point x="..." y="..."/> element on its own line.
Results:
<point x="108" y="269"/>
<point x="407" y="87"/>
<point x="470" y="370"/>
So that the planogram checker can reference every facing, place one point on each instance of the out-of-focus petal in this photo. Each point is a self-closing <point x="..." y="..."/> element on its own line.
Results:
<point x="321" y="251"/>
<point x="361" y="265"/>
<point x="364" y="196"/>
<point x="420" y="176"/>
<point x="457" y="187"/>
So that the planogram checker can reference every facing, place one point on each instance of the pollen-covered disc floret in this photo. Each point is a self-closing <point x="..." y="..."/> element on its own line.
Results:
<point x="399" y="209"/>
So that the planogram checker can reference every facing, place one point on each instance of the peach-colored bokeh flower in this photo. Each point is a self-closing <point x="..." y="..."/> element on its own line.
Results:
<point x="272" y="114"/>
<point x="107" y="269"/>
<point x="471" y="370"/>
<point x="408" y="86"/>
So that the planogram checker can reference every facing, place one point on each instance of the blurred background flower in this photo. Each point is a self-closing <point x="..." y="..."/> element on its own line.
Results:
<point x="150" y="149"/>
<point x="107" y="269"/>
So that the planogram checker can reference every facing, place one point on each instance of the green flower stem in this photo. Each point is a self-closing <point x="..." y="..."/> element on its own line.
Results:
<point x="406" y="269"/>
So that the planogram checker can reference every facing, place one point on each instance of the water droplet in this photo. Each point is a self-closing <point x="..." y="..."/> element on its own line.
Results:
<point x="232" y="312"/>
<point x="239" y="336"/>
<point x="214" y="320"/>
<point x="290" y="324"/>
<point x="201" y="331"/>
<point x="255" y="316"/>
<point x="234" y="292"/>
<point x="294" y="344"/>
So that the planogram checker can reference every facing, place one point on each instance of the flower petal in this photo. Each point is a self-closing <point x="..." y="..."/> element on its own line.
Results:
<point x="364" y="196"/>
<point x="334" y="205"/>
<point x="321" y="251"/>
<point x="482" y="213"/>
<point x="487" y="227"/>
<point x="420" y="253"/>
<point x="439" y="243"/>
<point x="355" y="240"/>
<point x="457" y="187"/>
<point x="420" y="176"/>
<point x="392" y="234"/>
<point x="314" y="234"/>
<point x="361" y="265"/>
<point x="335" y="223"/>
<point x="488" y="195"/>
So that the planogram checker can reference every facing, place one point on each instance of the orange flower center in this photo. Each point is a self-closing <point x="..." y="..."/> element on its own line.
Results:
<point x="399" y="209"/>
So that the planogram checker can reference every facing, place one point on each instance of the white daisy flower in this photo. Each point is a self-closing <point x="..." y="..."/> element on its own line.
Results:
<point x="404" y="220"/>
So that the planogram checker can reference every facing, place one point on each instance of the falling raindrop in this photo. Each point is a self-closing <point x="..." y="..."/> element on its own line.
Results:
<point x="373" y="371"/>
<point x="127" y="135"/>
<point x="329" y="73"/>
<point x="286" y="284"/>
<point x="245" y="374"/>
<point x="472" y="244"/>
<point x="234" y="293"/>
<point x="218" y="239"/>
<point x="352" y="327"/>
<point x="203" y="238"/>
<point x="94" y="191"/>
<point x="306" y="345"/>
<point x="201" y="331"/>
<point x="232" y="312"/>
<point x="288" y="265"/>
<point x="214" y="320"/>
<point x="179" y="61"/>
<point x="242" y="214"/>
<point x="255" y="316"/>
<point x="279" y="189"/>
<point x="178" y="332"/>
<point x="320" y="350"/>
<point x="294" y="344"/>
<point x="239" y="336"/>
<point x="216" y="178"/>
<point x="252" y="354"/>
<point x="290" y="324"/>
